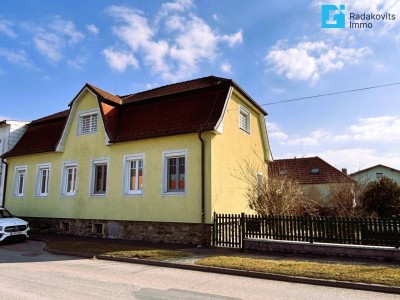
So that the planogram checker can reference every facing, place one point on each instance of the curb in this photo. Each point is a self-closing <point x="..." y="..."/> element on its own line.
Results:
<point x="294" y="279"/>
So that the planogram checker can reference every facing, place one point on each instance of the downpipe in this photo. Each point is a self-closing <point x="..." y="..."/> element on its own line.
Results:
<point x="5" y="181"/>
<point x="203" y="236"/>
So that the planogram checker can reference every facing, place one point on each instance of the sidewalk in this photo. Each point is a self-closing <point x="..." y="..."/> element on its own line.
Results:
<point x="188" y="263"/>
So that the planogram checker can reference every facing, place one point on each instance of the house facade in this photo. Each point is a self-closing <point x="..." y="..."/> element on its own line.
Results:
<point x="310" y="172"/>
<point x="375" y="173"/>
<point x="153" y="165"/>
<point x="10" y="133"/>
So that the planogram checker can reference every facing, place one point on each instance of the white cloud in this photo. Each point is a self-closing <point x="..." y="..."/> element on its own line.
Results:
<point x="191" y="41"/>
<point x="312" y="140"/>
<point x="226" y="67"/>
<point x="233" y="39"/>
<point x="92" y="29"/>
<point x="275" y="132"/>
<point x="178" y="6"/>
<point x="119" y="61"/>
<point x="16" y="57"/>
<point x="377" y="129"/>
<point x="355" y="159"/>
<point x="6" y="28"/>
<point x="77" y="62"/>
<point x="309" y="60"/>
<point x="51" y="40"/>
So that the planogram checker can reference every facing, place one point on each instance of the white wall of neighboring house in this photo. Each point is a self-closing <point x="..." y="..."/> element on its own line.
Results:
<point x="10" y="134"/>
<point x="375" y="173"/>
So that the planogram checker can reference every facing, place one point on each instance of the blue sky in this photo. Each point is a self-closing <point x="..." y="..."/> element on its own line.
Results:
<point x="275" y="50"/>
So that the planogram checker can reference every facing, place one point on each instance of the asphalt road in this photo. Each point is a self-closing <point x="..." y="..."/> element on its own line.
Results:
<point x="27" y="272"/>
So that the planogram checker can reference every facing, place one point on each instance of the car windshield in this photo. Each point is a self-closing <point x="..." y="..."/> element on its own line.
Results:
<point x="4" y="213"/>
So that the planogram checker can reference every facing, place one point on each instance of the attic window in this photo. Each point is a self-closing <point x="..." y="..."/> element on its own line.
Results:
<point x="244" y="119"/>
<point x="379" y="175"/>
<point x="314" y="170"/>
<point x="88" y="123"/>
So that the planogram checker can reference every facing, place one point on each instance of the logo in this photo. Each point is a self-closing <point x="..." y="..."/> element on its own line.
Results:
<point x="332" y="16"/>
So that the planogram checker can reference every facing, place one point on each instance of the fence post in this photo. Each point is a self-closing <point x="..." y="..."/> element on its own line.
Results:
<point x="242" y="230"/>
<point x="396" y="225"/>
<point x="214" y="229"/>
<point x="311" y="229"/>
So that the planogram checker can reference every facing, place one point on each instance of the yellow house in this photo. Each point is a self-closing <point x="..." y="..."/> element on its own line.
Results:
<point x="154" y="165"/>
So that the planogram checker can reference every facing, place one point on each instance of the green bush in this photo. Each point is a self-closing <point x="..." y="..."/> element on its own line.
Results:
<point x="382" y="198"/>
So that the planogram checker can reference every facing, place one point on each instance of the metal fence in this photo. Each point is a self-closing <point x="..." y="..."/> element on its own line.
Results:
<point x="230" y="229"/>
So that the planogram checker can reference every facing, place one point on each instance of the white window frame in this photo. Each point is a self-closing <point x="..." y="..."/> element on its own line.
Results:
<point x="92" y="129"/>
<point x="128" y="159"/>
<point x="94" y="163"/>
<point x="39" y="180"/>
<point x="173" y="154"/>
<point x="243" y="111"/>
<point x="65" y="173"/>
<point x="17" y="172"/>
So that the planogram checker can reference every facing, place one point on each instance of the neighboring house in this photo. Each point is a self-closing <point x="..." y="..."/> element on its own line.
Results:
<point x="375" y="173"/>
<point x="153" y="165"/>
<point x="309" y="171"/>
<point x="10" y="133"/>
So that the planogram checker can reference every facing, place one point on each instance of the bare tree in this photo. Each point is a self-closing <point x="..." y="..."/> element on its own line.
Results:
<point x="274" y="195"/>
<point x="343" y="197"/>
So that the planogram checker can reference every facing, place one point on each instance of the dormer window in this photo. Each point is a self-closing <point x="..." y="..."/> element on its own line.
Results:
<point x="315" y="170"/>
<point x="88" y="123"/>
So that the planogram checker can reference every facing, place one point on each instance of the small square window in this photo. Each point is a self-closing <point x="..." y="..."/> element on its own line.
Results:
<point x="98" y="228"/>
<point x="244" y="119"/>
<point x="64" y="226"/>
<point x="379" y="175"/>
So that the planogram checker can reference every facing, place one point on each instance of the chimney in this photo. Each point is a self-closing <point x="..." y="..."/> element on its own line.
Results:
<point x="344" y="170"/>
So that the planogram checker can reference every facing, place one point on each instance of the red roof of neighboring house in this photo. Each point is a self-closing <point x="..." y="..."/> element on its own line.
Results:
<point x="169" y="110"/>
<point x="309" y="170"/>
<point x="42" y="135"/>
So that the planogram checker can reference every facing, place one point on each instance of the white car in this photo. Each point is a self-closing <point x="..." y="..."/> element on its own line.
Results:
<point x="12" y="227"/>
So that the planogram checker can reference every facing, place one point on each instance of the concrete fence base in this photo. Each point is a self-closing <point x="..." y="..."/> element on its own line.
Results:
<point x="355" y="251"/>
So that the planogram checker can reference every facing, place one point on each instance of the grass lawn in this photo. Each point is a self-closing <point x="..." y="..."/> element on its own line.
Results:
<point x="374" y="274"/>
<point x="116" y="250"/>
<point x="355" y="272"/>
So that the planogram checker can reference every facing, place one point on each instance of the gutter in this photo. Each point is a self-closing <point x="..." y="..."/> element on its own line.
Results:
<point x="5" y="181"/>
<point x="203" y="204"/>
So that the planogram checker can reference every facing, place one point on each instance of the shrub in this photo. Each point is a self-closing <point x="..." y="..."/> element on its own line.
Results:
<point x="381" y="197"/>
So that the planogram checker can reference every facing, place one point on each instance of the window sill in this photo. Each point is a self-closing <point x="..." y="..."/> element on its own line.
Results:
<point x="133" y="194"/>
<point x="244" y="130"/>
<point x="174" y="194"/>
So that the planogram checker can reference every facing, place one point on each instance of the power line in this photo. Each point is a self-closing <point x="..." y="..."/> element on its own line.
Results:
<point x="330" y="94"/>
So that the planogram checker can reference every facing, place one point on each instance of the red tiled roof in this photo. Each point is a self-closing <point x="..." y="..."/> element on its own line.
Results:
<point x="169" y="115"/>
<point x="169" y="110"/>
<point x="175" y="88"/>
<point x="300" y="169"/>
<point x="42" y="135"/>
